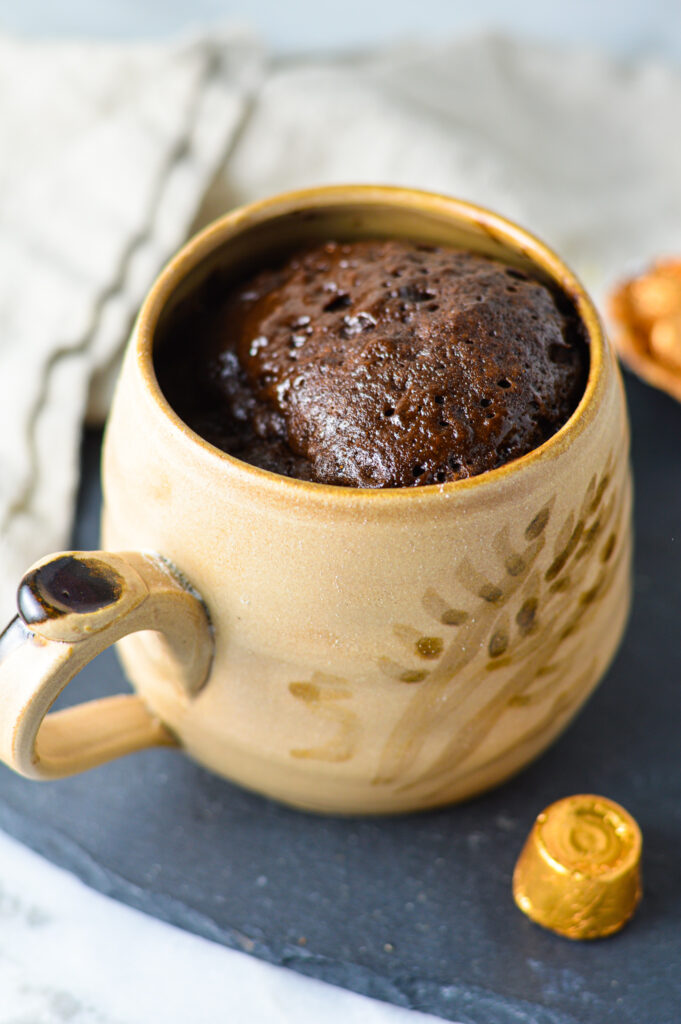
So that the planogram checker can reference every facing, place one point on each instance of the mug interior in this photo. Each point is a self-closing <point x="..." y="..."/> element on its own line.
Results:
<point x="264" y="234"/>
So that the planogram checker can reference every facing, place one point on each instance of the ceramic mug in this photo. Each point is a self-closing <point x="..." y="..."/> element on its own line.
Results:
<point x="339" y="649"/>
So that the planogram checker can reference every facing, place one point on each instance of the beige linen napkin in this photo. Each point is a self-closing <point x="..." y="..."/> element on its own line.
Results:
<point x="108" y="155"/>
<point x="105" y="154"/>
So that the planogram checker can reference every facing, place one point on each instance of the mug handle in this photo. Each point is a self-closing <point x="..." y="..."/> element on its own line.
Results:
<point x="73" y="605"/>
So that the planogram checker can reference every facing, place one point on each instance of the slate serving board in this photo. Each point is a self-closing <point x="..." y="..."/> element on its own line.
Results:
<point x="417" y="910"/>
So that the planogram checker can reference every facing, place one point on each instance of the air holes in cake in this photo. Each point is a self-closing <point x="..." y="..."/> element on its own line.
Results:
<point x="559" y="353"/>
<point x="415" y="293"/>
<point x="339" y="302"/>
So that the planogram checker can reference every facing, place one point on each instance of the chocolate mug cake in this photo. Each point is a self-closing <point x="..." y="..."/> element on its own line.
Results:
<point x="376" y="363"/>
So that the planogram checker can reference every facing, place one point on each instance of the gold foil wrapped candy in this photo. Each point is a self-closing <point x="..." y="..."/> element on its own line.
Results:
<point x="646" y="313"/>
<point x="579" y="872"/>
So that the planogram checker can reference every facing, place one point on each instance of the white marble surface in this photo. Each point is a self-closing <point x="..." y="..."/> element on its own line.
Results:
<point x="69" y="955"/>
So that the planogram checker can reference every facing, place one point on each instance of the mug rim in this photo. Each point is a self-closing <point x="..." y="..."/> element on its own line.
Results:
<point x="502" y="230"/>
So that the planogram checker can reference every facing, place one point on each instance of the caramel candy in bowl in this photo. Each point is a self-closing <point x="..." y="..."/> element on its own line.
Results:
<point x="646" y="311"/>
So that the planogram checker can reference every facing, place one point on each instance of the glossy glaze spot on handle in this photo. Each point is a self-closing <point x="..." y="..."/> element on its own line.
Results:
<point x="71" y="607"/>
<point x="67" y="584"/>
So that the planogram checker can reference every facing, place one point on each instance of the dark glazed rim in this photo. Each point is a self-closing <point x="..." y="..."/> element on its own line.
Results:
<point x="502" y="231"/>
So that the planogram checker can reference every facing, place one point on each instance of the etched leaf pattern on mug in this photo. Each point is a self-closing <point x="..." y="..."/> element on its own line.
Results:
<point x="322" y="695"/>
<point x="517" y="621"/>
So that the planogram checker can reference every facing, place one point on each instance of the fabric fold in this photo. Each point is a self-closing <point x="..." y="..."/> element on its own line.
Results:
<point x="107" y="154"/>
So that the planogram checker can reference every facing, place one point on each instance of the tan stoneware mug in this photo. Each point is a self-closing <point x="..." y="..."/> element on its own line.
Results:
<point x="340" y="649"/>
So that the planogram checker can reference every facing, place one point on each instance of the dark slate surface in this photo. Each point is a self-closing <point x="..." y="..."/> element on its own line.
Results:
<point x="418" y="910"/>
